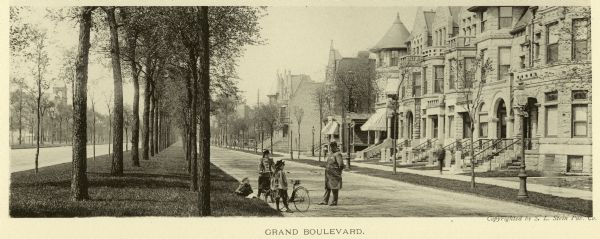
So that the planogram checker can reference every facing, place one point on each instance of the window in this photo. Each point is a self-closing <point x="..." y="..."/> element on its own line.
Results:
<point x="579" y="95"/>
<point x="403" y="90"/>
<point x="552" y="43"/>
<point x="483" y="125"/>
<point x="579" y="120"/>
<point x="424" y="123"/>
<point x="455" y="31"/>
<point x="522" y="62"/>
<point x="450" y="122"/>
<point x="484" y="59"/>
<point x="483" y="20"/>
<point x="468" y="72"/>
<point x="394" y="60"/>
<point x="574" y="163"/>
<point x="416" y="77"/>
<point x="505" y="19"/>
<point x="439" y="79"/>
<point x="503" y="63"/>
<point x="451" y="74"/>
<point x="551" y="121"/>
<point x="424" y="80"/>
<point x="580" y="39"/>
<point x="551" y="96"/>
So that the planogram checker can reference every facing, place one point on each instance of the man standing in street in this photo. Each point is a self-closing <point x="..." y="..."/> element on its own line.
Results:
<point x="333" y="174"/>
<point x="440" y="153"/>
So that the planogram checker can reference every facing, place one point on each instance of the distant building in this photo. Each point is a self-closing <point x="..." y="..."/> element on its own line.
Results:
<point x="291" y="93"/>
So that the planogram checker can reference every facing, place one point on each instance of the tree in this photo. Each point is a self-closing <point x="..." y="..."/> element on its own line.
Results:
<point x="298" y="114"/>
<point x="40" y="55"/>
<point x="117" y="157"/>
<point x="470" y="91"/>
<point x="319" y="99"/>
<point x="127" y="120"/>
<point x="79" y="182"/>
<point x="132" y="31"/>
<point x="108" y="98"/>
<point x="17" y="100"/>
<point x="269" y="117"/>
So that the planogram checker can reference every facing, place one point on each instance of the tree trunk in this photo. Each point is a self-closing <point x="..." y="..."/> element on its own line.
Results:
<point x="146" y="116"/>
<point x="135" y="131"/>
<point x="117" y="122"/>
<point x="193" y="123"/>
<point x="156" y="126"/>
<point x="38" y="131"/>
<point x="79" y="182"/>
<point x="204" y="194"/>
<point x="151" y="122"/>
<point x="472" y="156"/>
<point x="20" y="114"/>
<point x="94" y="131"/>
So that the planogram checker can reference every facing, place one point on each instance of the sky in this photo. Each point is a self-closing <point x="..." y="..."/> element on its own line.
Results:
<point x="297" y="39"/>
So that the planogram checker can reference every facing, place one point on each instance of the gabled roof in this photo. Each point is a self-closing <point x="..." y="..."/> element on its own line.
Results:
<point x="455" y="12"/>
<point x="429" y="17"/>
<point x="523" y="21"/>
<point x="423" y="21"/>
<point x="394" y="37"/>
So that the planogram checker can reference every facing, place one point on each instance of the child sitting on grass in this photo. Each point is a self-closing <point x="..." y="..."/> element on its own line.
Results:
<point x="244" y="189"/>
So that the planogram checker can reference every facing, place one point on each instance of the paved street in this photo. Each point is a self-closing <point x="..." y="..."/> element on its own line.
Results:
<point x="365" y="196"/>
<point x="23" y="159"/>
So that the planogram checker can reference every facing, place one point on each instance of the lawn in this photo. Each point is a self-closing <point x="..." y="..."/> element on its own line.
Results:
<point x="574" y="182"/>
<point x="32" y="146"/>
<point x="160" y="187"/>
<point x="504" y="173"/>
<point x="572" y="205"/>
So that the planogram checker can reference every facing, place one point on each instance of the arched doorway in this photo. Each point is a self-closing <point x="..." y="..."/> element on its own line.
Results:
<point x="501" y="116"/>
<point x="409" y="125"/>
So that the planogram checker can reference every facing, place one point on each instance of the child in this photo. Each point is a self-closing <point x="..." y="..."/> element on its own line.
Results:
<point x="279" y="185"/>
<point x="265" y="168"/>
<point x="244" y="189"/>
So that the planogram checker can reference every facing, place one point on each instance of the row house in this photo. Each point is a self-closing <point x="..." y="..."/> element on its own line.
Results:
<point x="346" y="114"/>
<point x="491" y="67"/>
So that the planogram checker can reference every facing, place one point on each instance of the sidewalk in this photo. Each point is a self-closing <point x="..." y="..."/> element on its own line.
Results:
<point x="555" y="191"/>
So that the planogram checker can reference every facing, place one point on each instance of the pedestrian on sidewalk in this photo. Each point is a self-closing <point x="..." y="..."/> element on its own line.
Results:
<point x="265" y="169"/>
<point x="333" y="174"/>
<point x="279" y="185"/>
<point x="440" y="154"/>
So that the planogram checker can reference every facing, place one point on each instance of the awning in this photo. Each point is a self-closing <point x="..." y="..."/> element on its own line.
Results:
<point x="391" y="86"/>
<point x="331" y="128"/>
<point x="377" y="121"/>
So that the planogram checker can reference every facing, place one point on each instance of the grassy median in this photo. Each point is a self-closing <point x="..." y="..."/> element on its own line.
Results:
<point x="571" y="205"/>
<point x="160" y="187"/>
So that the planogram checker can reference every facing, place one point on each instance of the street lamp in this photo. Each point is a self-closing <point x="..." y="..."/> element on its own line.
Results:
<point x="393" y="104"/>
<point x="521" y="102"/>
<point x="313" y="141"/>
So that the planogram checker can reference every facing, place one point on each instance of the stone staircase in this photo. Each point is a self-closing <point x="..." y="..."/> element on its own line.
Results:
<point x="373" y="151"/>
<point x="500" y="154"/>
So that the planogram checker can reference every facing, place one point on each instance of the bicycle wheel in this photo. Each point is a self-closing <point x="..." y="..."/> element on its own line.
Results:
<point x="301" y="199"/>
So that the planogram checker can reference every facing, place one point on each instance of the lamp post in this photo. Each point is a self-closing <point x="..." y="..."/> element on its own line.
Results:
<point x="521" y="101"/>
<point x="313" y="141"/>
<point x="393" y="104"/>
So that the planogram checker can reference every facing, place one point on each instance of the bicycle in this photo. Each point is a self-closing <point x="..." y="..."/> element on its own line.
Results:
<point x="300" y="196"/>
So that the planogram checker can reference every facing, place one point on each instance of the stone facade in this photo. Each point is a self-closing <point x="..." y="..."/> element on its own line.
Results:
<point x="538" y="58"/>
